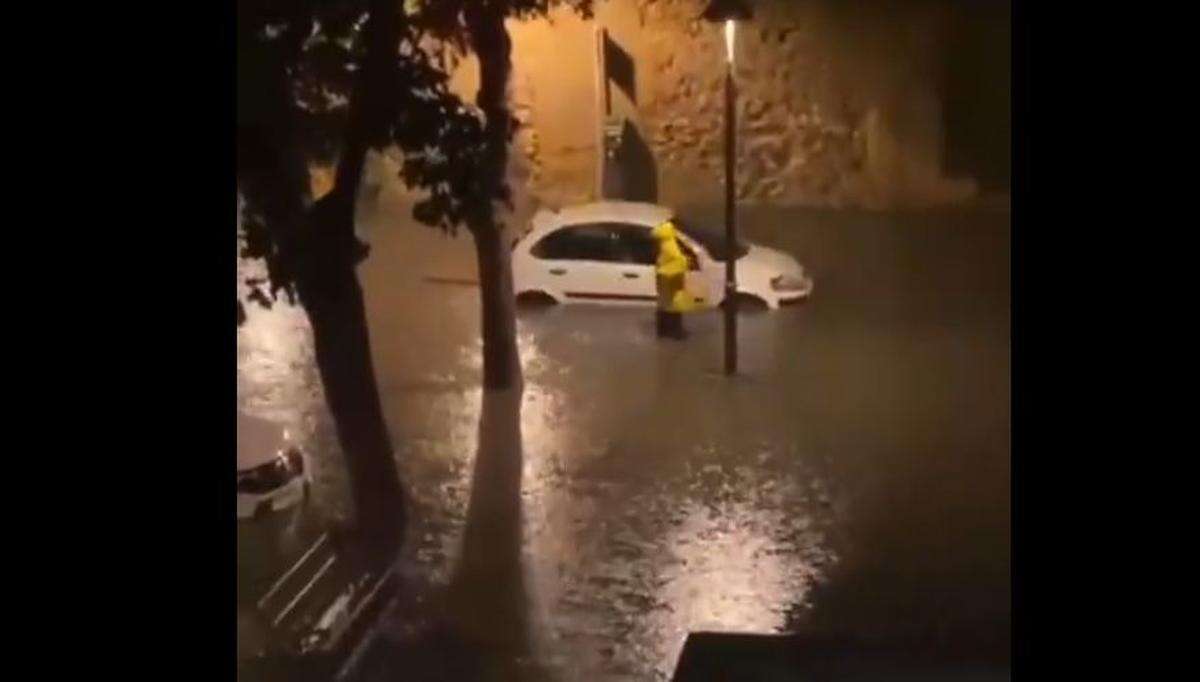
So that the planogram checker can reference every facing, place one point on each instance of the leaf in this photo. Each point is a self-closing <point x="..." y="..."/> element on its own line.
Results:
<point x="299" y="64"/>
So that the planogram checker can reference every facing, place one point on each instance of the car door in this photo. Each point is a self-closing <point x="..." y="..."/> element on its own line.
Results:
<point x="639" y="252"/>
<point x="580" y="260"/>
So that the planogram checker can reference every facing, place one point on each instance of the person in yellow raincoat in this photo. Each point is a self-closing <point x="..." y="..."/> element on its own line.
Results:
<point x="671" y="269"/>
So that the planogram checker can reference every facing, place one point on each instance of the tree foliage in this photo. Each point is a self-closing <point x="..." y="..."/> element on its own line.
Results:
<point x="300" y="69"/>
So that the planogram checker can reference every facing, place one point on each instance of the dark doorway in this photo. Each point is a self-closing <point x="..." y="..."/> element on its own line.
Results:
<point x="977" y="100"/>
<point x="629" y="171"/>
<point x="637" y="174"/>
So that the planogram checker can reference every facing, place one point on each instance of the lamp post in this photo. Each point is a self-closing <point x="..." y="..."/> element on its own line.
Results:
<point x="729" y="12"/>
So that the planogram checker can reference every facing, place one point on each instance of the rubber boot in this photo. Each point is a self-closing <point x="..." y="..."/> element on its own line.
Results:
<point x="675" y="326"/>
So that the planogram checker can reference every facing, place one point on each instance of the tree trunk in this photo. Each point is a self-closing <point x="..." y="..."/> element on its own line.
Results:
<point x="331" y="294"/>
<point x="334" y="302"/>
<point x="320" y="250"/>
<point x="493" y="46"/>
<point x="501" y="361"/>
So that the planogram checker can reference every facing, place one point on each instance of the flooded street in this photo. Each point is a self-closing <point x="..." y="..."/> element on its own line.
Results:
<point x="853" y="479"/>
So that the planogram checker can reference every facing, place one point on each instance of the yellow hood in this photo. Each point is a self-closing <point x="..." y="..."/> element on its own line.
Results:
<point x="664" y="231"/>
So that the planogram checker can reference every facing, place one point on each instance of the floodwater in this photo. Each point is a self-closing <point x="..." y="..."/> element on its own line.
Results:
<point x="853" y="479"/>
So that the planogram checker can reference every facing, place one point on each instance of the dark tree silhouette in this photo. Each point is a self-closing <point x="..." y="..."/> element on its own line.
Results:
<point x="309" y="74"/>
<point x="477" y="26"/>
<point x="323" y="81"/>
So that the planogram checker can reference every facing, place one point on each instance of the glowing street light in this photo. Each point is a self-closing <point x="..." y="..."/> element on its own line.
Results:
<point x="729" y="12"/>
<point x="730" y="33"/>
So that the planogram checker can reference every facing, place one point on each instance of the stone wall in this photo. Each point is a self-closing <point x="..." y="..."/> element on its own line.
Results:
<point x="839" y="103"/>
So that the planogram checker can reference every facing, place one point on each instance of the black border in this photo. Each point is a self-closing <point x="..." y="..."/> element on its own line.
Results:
<point x="169" y="285"/>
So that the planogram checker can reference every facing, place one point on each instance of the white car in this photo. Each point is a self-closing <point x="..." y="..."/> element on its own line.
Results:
<point x="270" y="468"/>
<point x="604" y="253"/>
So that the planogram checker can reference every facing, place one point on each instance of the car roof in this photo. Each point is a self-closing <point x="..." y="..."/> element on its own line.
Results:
<point x="258" y="441"/>
<point x="626" y="211"/>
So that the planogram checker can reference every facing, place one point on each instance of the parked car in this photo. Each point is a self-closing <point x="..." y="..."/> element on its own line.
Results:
<point x="604" y="253"/>
<point x="270" y="468"/>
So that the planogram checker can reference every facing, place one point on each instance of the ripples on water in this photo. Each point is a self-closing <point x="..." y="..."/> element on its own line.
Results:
<point x="277" y="379"/>
<point x="619" y="566"/>
<point x="635" y="532"/>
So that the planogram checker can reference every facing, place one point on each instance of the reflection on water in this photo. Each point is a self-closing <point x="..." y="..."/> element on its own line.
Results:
<point x="630" y="570"/>
<point x="277" y="379"/>
<point x="615" y="566"/>
<point x="858" y="464"/>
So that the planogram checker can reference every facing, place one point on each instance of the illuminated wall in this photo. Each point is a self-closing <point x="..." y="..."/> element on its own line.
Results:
<point x="840" y="103"/>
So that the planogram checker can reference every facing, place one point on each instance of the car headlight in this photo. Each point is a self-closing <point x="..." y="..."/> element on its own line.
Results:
<point x="788" y="283"/>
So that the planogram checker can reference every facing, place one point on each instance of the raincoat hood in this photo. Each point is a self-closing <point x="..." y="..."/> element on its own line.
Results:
<point x="671" y="267"/>
<point x="664" y="231"/>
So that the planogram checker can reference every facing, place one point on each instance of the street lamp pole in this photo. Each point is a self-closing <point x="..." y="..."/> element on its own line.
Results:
<point x="729" y="12"/>
<point x="731" y="300"/>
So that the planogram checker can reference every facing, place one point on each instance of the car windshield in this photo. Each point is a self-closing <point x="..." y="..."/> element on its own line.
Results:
<point x="712" y="240"/>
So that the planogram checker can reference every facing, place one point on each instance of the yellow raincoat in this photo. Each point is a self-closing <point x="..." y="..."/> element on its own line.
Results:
<point x="671" y="269"/>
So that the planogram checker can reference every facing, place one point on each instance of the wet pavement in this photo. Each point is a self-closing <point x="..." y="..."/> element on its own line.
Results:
<point x="853" y="479"/>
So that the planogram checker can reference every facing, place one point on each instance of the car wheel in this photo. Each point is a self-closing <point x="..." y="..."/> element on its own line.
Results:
<point x="535" y="299"/>
<point x="749" y="304"/>
<point x="262" y="508"/>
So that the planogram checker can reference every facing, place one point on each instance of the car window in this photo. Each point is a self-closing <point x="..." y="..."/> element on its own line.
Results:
<point x="589" y="241"/>
<point x="637" y="244"/>
<point x="712" y="240"/>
